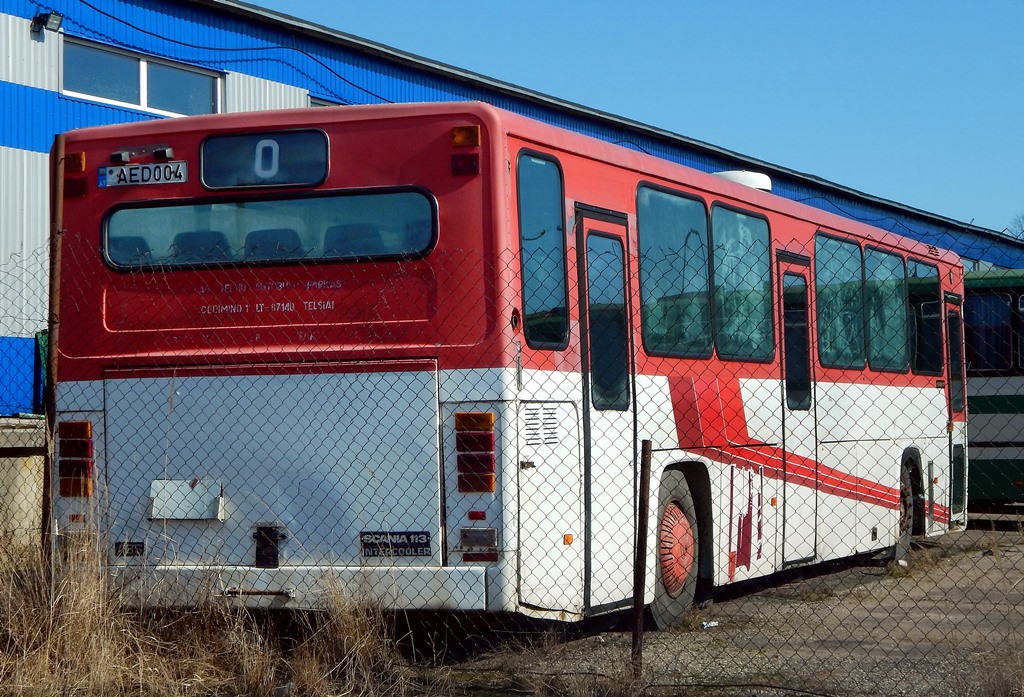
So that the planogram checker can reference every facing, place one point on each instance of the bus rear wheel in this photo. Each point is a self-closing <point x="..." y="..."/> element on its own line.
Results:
<point x="905" y="531"/>
<point x="676" y="552"/>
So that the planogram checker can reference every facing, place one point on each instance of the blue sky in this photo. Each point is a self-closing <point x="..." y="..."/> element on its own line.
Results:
<point x="917" y="102"/>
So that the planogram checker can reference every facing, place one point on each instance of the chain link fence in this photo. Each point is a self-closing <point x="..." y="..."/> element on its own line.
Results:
<point x="270" y="434"/>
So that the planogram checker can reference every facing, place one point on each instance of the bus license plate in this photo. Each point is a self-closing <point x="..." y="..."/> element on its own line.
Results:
<point x="144" y="173"/>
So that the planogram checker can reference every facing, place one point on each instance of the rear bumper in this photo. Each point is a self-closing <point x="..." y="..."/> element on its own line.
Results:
<point x="299" y="588"/>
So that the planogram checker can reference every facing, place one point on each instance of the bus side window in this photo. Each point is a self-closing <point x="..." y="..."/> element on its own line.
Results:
<point x="885" y="301"/>
<point x="924" y="292"/>
<point x="674" y="291"/>
<point x="742" y="286"/>
<point x="989" y="337"/>
<point x="839" y="284"/>
<point x="542" y="247"/>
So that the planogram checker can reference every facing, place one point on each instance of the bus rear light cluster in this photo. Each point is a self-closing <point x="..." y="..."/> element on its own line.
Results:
<point x="466" y="164"/>
<point x="75" y="458"/>
<point x="474" y="447"/>
<point x="74" y="187"/>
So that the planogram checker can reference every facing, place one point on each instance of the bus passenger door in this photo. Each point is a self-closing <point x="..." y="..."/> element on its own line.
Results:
<point x="799" y="448"/>
<point x="608" y="404"/>
<point x="957" y="421"/>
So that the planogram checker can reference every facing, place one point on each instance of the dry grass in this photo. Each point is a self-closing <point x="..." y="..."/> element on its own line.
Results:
<point x="1003" y="671"/>
<point x="65" y="632"/>
<point x="921" y="560"/>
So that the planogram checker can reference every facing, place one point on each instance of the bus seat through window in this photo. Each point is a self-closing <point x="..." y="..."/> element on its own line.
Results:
<point x="129" y="251"/>
<point x="274" y="243"/>
<point x="353" y="240"/>
<point x="200" y="246"/>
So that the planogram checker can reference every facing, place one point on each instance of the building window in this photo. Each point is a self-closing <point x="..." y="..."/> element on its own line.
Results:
<point x="115" y="77"/>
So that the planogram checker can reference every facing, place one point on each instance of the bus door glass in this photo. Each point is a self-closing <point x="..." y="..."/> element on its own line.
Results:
<point x="799" y="450"/>
<point x="608" y="404"/>
<point x="957" y="420"/>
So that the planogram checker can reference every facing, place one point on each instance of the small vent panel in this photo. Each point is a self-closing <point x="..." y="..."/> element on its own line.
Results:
<point x="542" y="427"/>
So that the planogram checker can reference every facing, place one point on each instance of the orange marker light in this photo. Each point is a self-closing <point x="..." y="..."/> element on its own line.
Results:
<point x="74" y="162"/>
<point x="465" y="136"/>
<point x="567" y="539"/>
<point x="474" y="421"/>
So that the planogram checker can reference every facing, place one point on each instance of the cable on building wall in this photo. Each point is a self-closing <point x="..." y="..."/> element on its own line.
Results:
<point x="271" y="47"/>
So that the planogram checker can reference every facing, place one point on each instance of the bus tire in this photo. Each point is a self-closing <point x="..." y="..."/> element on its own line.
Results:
<point x="676" y="551"/>
<point x="905" y="527"/>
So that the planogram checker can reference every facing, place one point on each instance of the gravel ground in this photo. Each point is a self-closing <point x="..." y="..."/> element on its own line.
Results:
<point x="950" y="623"/>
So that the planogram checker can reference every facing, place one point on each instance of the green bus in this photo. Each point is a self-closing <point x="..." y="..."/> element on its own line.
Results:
<point x="994" y="336"/>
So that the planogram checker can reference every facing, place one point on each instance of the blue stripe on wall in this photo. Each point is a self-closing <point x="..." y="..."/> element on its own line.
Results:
<point x="31" y="117"/>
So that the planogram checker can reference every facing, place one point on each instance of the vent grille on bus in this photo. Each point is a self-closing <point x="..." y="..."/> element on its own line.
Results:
<point x="541" y="426"/>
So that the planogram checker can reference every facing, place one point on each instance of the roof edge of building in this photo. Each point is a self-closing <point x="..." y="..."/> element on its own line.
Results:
<point x="351" y="41"/>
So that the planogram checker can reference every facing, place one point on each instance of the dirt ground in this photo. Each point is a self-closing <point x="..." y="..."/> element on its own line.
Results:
<point x="951" y="622"/>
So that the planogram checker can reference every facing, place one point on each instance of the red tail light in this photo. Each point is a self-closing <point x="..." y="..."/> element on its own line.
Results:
<point x="74" y="458"/>
<point x="474" y="447"/>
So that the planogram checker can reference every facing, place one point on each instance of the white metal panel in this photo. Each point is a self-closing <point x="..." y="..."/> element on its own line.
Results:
<point x="656" y="418"/>
<point x="86" y="395"/>
<point x="551" y="531"/>
<point x="479" y="384"/>
<point x="28" y="59"/>
<point x="434" y="588"/>
<point x="326" y="457"/>
<point x="247" y="93"/>
<point x="24" y="253"/>
<point x="865" y="412"/>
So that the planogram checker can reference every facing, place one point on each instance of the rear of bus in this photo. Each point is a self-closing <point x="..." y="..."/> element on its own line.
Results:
<point x="278" y="361"/>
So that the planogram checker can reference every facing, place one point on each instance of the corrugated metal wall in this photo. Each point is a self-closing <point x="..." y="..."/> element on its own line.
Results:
<point x="247" y="93"/>
<point x="27" y="59"/>
<point x="24" y="212"/>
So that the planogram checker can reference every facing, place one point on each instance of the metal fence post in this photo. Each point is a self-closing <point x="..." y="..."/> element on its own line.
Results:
<point x="640" y="559"/>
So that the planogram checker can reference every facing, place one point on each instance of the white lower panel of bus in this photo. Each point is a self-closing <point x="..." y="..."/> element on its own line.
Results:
<point x="330" y="469"/>
<point x="398" y="587"/>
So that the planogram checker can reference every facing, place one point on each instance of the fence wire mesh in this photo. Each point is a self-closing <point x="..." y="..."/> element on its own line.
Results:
<point x="277" y="434"/>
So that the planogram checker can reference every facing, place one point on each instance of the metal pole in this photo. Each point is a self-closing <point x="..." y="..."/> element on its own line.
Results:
<point x="640" y="560"/>
<point x="57" y="154"/>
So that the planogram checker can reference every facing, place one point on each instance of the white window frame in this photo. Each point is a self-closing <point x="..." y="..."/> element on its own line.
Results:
<point x="144" y="61"/>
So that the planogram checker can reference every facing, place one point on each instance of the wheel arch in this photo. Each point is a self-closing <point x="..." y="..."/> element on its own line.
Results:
<point x="912" y="461"/>
<point x="699" y="483"/>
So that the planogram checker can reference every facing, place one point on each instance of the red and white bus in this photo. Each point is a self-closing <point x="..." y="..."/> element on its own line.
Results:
<point x="414" y="349"/>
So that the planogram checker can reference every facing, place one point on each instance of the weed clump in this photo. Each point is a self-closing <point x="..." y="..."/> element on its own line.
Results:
<point x="66" y="630"/>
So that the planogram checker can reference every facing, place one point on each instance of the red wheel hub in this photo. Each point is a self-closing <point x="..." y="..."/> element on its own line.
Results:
<point x="675" y="548"/>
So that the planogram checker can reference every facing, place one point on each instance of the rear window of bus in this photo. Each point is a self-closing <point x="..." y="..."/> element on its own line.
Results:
<point x="353" y="226"/>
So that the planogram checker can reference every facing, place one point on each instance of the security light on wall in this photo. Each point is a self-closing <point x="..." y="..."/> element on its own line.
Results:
<point x="47" y="20"/>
